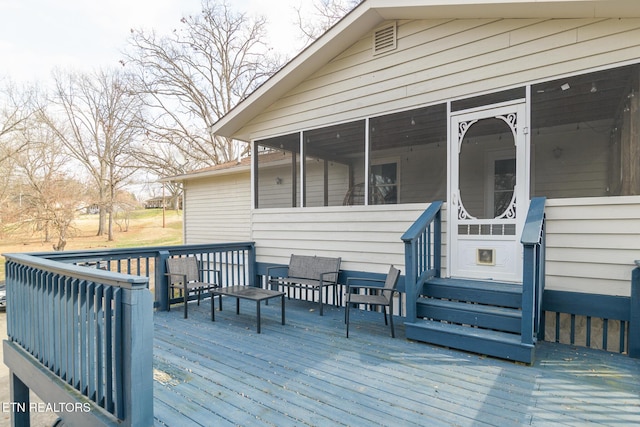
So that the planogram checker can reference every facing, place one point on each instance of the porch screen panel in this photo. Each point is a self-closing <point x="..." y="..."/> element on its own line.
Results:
<point x="581" y="134"/>
<point x="277" y="172"/>
<point x="334" y="164"/>
<point x="408" y="156"/>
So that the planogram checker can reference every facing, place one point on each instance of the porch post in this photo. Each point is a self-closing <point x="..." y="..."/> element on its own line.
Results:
<point x="20" y="401"/>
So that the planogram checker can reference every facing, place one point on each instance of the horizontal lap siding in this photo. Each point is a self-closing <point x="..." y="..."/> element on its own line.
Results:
<point x="366" y="238"/>
<point x="217" y="209"/>
<point x="592" y="244"/>
<point x="440" y="60"/>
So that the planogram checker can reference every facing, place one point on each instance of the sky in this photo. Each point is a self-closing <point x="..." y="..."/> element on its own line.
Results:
<point x="37" y="36"/>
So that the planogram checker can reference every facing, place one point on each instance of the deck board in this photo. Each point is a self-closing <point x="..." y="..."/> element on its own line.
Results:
<point x="307" y="373"/>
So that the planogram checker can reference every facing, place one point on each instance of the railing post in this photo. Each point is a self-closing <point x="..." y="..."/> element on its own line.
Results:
<point x="410" y="278"/>
<point x="161" y="281"/>
<point x="634" y="315"/>
<point x="528" y="290"/>
<point x="137" y="353"/>
<point x="251" y="259"/>
<point x="437" y="244"/>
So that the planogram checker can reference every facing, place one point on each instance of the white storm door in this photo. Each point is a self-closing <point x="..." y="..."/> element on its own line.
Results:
<point x="488" y="192"/>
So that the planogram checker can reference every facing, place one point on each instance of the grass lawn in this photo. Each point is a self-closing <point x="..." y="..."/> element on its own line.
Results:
<point x="145" y="229"/>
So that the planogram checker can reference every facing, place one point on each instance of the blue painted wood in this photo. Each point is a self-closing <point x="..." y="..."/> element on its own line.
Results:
<point x="594" y="305"/>
<point x="307" y="373"/>
<point x="422" y="261"/>
<point x="480" y="315"/>
<point x="483" y="292"/>
<point x="482" y="341"/>
<point x="19" y="393"/>
<point x="533" y="240"/>
<point x="604" y="307"/>
<point x="77" y="348"/>
<point x="634" y="315"/>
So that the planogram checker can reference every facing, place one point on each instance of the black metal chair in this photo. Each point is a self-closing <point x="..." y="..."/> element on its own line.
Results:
<point x="186" y="277"/>
<point x="374" y="295"/>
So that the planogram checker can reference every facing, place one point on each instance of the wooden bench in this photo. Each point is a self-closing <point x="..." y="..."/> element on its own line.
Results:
<point x="306" y="272"/>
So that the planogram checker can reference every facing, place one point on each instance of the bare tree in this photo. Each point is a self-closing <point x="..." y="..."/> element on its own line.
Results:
<point x="16" y="108"/>
<point x="97" y="117"/>
<point x="325" y="13"/>
<point x="193" y="77"/>
<point x="50" y="198"/>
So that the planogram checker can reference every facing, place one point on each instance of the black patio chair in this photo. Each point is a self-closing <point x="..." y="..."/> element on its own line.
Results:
<point x="374" y="295"/>
<point x="185" y="276"/>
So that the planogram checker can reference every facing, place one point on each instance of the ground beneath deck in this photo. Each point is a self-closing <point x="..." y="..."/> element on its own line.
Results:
<point x="307" y="373"/>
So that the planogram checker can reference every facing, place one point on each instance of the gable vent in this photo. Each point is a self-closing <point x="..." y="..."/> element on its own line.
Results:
<point x="384" y="39"/>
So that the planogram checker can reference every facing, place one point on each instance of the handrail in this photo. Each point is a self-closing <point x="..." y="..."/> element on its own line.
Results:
<point x="423" y="252"/>
<point x="81" y="337"/>
<point x="533" y="275"/>
<point x="235" y="261"/>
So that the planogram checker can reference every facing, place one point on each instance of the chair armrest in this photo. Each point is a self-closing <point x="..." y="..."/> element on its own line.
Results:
<point x="333" y="282"/>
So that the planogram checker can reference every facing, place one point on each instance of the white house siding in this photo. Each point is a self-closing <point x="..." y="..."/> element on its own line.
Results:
<point x="217" y="209"/>
<point x="592" y="244"/>
<point x="366" y="238"/>
<point x="440" y="60"/>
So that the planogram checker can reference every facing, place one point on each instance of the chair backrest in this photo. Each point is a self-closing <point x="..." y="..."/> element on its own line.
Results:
<point x="310" y="267"/>
<point x="391" y="281"/>
<point x="184" y="266"/>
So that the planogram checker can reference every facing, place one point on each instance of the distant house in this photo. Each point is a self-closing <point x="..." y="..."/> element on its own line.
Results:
<point x="481" y="104"/>
<point x="160" y="202"/>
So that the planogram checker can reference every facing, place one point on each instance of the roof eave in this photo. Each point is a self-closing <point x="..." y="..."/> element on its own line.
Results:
<point x="207" y="174"/>
<point x="337" y="39"/>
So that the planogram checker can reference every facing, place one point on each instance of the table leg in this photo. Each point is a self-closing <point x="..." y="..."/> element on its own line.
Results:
<point x="213" y="308"/>
<point x="282" y="307"/>
<point x="237" y="305"/>
<point x="258" y="314"/>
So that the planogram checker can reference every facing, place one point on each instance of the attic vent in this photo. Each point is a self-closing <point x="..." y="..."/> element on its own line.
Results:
<point x="384" y="39"/>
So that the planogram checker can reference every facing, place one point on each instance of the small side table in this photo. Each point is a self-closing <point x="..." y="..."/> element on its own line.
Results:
<point x="248" y="293"/>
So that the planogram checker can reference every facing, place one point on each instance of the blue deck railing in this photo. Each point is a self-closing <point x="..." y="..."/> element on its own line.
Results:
<point x="533" y="270"/>
<point x="80" y="325"/>
<point x="423" y="255"/>
<point x="80" y="337"/>
<point x="235" y="261"/>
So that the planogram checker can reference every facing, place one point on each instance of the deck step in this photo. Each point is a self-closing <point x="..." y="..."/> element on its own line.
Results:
<point x="482" y="341"/>
<point x="483" y="292"/>
<point x="484" y="316"/>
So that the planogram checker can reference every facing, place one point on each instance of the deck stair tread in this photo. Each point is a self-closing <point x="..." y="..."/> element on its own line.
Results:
<point x="470" y="307"/>
<point x="468" y="331"/>
<point x="474" y="284"/>
<point x="483" y="292"/>
<point x="478" y="340"/>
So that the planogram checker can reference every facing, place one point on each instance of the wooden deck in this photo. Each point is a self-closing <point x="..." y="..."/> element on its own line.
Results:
<point x="307" y="373"/>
